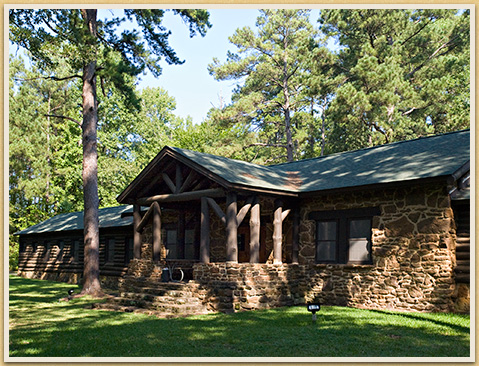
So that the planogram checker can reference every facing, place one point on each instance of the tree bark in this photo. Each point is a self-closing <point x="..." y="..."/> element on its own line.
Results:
<point x="91" y="271"/>
<point x="231" y="228"/>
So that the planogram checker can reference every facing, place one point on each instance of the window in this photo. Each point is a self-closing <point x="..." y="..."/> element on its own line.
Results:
<point x="326" y="241"/>
<point x="170" y="237"/>
<point x="128" y="249"/>
<point x="75" y="251"/>
<point x="344" y="236"/>
<point x="190" y="244"/>
<point x="110" y="250"/>
<point x="170" y="244"/>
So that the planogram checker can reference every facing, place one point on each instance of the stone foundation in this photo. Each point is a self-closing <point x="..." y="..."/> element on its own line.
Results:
<point x="244" y="286"/>
<point x="413" y="251"/>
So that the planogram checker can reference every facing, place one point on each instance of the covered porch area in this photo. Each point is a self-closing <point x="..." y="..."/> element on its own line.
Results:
<point x="188" y="209"/>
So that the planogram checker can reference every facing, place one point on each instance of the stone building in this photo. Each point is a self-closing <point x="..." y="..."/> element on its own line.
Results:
<point x="381" y="228"/>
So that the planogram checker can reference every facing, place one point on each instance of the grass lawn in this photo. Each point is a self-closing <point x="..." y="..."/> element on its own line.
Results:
<point x="41" y="326"/>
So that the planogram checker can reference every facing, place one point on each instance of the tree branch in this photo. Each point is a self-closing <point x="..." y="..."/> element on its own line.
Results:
<point x="50" y="77"/>
<point x="65" y="117"/>
<point x="263" y="144"/>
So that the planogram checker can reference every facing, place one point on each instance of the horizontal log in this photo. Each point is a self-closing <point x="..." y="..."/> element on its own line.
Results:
<point x="182" y="197"/>
<point x="462" y="269"/>
<point x="462" y="278"/>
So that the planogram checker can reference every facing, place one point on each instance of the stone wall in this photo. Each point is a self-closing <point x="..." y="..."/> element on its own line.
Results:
<point x="413" y="257"/>
<point x="413" y="251"/>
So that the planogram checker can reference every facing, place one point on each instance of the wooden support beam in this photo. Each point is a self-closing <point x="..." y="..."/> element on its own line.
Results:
<point x="189" y="180"/>
<point x="144" y="220"/>
<point x="155" y="179"/>
<point x="285" y="214"/>
<point x="136" y="233"/>
<point x="231" y="228"/>
<point x="255" y="229"/>
<point x="277" y="232"/>
<point x="217" y="209"/>
<point x="182" y="197"/>
<point x="244" y="210"/>
<point x="179" y="178"/>
<point x="296" y="223"/>
<point x="169" y="182"/>
<point x="205" y="232"/>
<point x="156" y="231"/>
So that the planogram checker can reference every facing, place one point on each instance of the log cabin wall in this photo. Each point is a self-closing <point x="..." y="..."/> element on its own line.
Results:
<point x="59" y="256"/>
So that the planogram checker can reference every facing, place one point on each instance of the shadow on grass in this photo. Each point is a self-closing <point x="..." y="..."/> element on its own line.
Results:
<point x="53" y="329"/>
<point x="427" y="317"/>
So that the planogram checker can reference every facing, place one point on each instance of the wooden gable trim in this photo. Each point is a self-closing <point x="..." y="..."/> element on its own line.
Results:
<point x="197" y="169"/>
<point x="181" y="197"/>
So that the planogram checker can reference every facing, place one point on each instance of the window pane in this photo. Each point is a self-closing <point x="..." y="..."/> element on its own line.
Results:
<point x="171" y="236"/>
<point x="360" y="228"/>
<point x="171" y="244"/>
<point x="326" y="241"/>
<point x="326" y="230"/>
<point x="359" y="236"/>
<point x="189" y="244"/>
<point x="189" y="236"/>
<point x="326" y="251"/>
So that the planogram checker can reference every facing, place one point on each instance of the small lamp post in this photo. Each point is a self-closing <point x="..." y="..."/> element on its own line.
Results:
<point x="313" y="308"/>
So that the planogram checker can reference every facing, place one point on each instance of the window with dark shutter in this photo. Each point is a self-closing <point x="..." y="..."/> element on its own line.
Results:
<point x="344" y="236"/>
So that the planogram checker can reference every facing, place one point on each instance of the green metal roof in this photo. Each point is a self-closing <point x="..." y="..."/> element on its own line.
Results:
<point x="426" y="157"/>
<point x="108" y="217"/>
<point x="237" y="171"/>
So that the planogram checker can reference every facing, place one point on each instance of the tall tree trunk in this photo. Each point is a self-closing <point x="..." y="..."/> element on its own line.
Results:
<point x="91" y="271"/>
<point x="289" y="137"/>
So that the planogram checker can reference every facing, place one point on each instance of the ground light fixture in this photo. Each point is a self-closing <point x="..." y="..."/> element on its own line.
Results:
<point x="313" y="308"/>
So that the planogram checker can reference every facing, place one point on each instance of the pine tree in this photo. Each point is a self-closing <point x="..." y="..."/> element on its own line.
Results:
<point x="271" y="65"/>
<point x="404" y="73"/>
<point x="91" y="48"/>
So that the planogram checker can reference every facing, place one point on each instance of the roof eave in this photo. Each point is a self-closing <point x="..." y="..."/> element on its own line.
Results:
<point x="386" y="185"/>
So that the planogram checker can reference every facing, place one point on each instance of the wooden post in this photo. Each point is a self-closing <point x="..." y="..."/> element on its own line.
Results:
<point x="178" y="178"/>
<point x="180" y="237"/>
<point x="277" y="232"/>
<point x="255" y="229"/>
<point x="156" y="232"/>
<point x="136" y="234"/>
<point x="205" y="232"/>
<point x="296" y="220"/>
<point x="231" y="228"/>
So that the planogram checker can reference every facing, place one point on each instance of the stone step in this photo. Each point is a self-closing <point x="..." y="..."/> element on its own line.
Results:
<point x="159" y="299"/>
<point x="185" y="291"/>
<point x="171" y="308"/>
<point x="158" y="312"/>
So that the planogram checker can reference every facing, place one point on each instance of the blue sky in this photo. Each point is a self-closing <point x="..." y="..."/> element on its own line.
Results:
<point x="190" y="84"/>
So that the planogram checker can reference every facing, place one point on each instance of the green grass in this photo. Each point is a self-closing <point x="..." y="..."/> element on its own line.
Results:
<point x="41" y="326"/>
